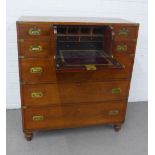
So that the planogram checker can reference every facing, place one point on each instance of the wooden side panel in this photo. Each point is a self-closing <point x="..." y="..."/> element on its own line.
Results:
<point x="74" y="115"/>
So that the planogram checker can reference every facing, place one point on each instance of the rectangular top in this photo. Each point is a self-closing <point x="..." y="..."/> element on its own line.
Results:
<point x="73" y="20"/>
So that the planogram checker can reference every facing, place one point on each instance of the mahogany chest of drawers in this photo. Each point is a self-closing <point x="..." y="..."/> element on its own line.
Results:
<point x="74" y="72"/>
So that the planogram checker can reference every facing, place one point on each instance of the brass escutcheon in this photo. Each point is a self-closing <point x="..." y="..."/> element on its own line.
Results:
<point x="123" y="32"/>
<point x="34" y="31"/>
<point x="113" y="112"/>
<point x="121" y="48"/>
<point x="35" y="48"/>
<point x="90" y="67"/>
<point x="34" y="70"/>
<point x="36" y="94"/>
<point x="38" y="118"/>
<point x="116" y="90"/>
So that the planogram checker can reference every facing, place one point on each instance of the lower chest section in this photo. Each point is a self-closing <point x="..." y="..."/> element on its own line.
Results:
<point x="74" y="115"/>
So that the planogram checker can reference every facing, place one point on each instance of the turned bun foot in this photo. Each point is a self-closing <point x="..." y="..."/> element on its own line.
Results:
<point x="28" y="136"/>
<point x="117" y="127"/>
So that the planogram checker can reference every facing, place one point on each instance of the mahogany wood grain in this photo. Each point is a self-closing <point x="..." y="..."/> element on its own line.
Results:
<point x="46" y="30"/>
<point x="60" y="94"/>
<point x="130" y="44"/>
<point x="47" y="74"/>
<point x="25" y="49"/>
<point x="73" y="98"/>
<point x="100" y="74"/>
<point x="74" y="115"/>
<point x="132" y="32"/>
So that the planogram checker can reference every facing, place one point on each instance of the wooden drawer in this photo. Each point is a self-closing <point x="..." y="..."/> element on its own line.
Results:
<point x="33" y="31"/>
<point x="100" y="75"/>
<point x="125" y="32"/>
<point x="37" y="70"/>
<point x="45" y="94"/>
<point x="35" y="49"/>
<point x="74" y="115"/>
<point x="124" y="47"/>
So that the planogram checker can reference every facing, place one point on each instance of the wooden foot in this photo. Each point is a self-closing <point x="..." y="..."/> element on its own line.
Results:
<point x="28" y="136"/>
<point x="117" y="127"/>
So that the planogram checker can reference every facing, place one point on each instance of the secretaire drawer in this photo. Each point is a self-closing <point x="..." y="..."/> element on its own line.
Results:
<point x="33" y="31"/>
<point x="35" y="49"/>
<point x="125" y="32"/>
<point x="74" y="115"/>
<point x="37" y="70"/>
<point x="100" y="74"/>
<point x="44" y="94"/>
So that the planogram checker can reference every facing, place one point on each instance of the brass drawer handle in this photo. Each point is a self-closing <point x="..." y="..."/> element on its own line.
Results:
<point x="113" y="112"/>
<point x="36" y="94"/>
<point x="34" y="31"/>
<point x="116" y="90"/>
<point x="34" y="70"/>
<point x="123" y="32"/>
<point x="35" y="48"/>
<point x="38" y="118"/>
<point x="121" y="48"/>
<point x="90" y="67"/>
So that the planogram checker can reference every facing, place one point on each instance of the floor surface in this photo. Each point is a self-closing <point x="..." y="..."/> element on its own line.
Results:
<point x="99" y="140"/>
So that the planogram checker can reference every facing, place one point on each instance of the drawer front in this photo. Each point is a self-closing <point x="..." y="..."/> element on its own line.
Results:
<point x="101" y="74"/>
<point x="125" y="32"/>
<point x="124" y="47"/>
<point x="35" y="49"/>
<point x="34" y="31"/>
<point x="45" y="94"/>
<point x="74" y="115"/>
<point x="35" y="71"/>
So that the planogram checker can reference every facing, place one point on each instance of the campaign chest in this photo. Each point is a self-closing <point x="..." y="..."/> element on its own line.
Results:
<point x="74" y="72"/>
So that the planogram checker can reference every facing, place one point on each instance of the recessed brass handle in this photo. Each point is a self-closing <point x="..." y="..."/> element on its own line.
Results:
<point x="38" y="118"/>
<point x="124" y="32"/>
<point x="36" y="94"/>
<point x="116" y="90"/>
<point x="35" y="48"/>
<point x="121" y="48"/>
<point x="34" y="70"/>
<point x="34" y="31"/>
<point x="90" y="67"/>
<point x="113" y="112"/>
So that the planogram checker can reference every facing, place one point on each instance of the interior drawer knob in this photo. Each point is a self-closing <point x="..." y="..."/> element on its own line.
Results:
<point x="34" y="70"/>
<point x="34" y="31"/>
<point x="35" y="48"/>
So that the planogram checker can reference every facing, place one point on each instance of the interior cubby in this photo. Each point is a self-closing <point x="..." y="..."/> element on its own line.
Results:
<point x="78" y="46"/>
